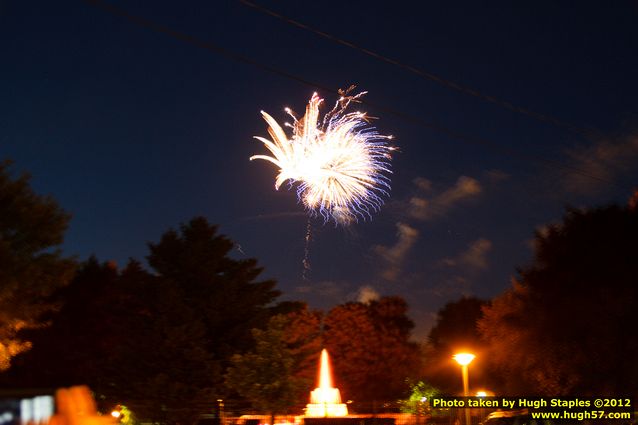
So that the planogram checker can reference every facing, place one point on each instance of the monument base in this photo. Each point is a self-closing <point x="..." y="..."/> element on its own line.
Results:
<point x="322" y="410"/>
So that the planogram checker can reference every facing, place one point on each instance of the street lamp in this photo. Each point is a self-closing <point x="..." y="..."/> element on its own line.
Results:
<point x="220" y="404"/>
<point x="464" y="359"/>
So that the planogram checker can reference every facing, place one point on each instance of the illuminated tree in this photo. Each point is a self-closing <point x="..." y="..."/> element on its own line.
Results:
<point x="564" y="326"/>
<point x="304" y="341"/>
<point x="371" y="351"/>
<point x="420" y="397"/>
<point x="31" y="265"/>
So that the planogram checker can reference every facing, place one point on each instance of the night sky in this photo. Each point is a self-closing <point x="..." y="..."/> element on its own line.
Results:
<point x="134" y="131"/>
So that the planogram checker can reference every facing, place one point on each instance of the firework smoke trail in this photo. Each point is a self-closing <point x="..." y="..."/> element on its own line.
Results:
<point x="341" y="165"/>
<point x="305" y="275"/>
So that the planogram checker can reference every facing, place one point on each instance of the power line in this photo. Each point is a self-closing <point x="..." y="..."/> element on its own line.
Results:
<point x="587" y="133"/>
<point x="493" y="146"/>
<point x="154" y="26"/>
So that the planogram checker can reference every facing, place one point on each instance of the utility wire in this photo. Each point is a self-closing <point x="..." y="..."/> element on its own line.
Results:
<point x="154" y="26"/>
<point x="493" y="146"/>
<point x="587" y="133"/>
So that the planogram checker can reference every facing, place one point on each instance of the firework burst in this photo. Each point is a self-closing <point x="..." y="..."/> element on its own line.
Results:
<point x="340" y="164"/>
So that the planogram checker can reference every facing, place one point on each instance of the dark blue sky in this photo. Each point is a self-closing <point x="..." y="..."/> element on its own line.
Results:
<point x="134" y="131"/>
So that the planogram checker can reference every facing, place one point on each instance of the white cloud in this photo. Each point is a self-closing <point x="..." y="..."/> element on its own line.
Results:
<point x="367" y="293"/>
<point x="473" y="258"/>
<point x="424" y="209"/>
<point x="606" y="161"/>
<point x="422" y="184"/>
<point x="395" y="254"/>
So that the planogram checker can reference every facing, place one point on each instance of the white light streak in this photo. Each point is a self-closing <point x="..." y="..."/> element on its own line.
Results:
<point x="341" y="165"/>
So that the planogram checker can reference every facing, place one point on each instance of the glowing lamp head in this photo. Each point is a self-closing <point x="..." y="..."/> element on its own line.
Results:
<point x="464" y="359"/>
<point x="116" y="414"/>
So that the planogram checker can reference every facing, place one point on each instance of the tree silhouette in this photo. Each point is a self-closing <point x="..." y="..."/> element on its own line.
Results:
<point x="157" y="342"/>
<point x="31" y="265"/>
<point x="565" y="325"/>
<point x="223" y="291"/>
<point x="456" y="330"/>
<point x="274" y="375"/>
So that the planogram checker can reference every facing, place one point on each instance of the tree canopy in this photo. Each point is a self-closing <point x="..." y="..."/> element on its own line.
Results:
<point x="74" y="347"/>
<point x="274" y="376"/>
<point x="372" y="354"/>
<point x="158" y="342"/>
<point x="418" y="402"/>
<point x="564" y="326"/>
<point x="32" y="228"/>
<point x="223" y="291"/>
<point x="455" y="330"/>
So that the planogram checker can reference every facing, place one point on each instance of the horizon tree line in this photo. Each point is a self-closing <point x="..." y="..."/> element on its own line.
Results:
<point x="201" y="326"/>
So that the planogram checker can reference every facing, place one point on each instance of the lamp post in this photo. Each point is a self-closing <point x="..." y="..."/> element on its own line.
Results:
<point x="220" y="406"/>
<point x="464" y="359"/>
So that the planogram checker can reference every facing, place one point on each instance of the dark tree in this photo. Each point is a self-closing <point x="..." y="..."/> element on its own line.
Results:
<point x="566" y="326"/>
<point x="274" y="375"/>
<point x="31" y="265"/>
<point x="130" y="338"/>
<point x="371" y="351"/>
<point x="456" y="330"/>
<point x="75" y="348"/>
<point x="456" y="326"/>
<point x="160" y="366"/>
<point x="156" y="342"/>
<point x="224" y="292"/>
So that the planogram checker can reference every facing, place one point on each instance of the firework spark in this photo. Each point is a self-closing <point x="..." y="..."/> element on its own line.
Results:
<point x="341" y="164"/>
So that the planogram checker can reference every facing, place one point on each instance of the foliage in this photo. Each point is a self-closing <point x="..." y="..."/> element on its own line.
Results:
<point x="371" y="351"/>
<point x="222" y="290"/>
<point x="563" y="328"/>
<point x="157" y="342"/>
<point x="304" y="341"/>
<point x="72" y="348"/>
<point x="273" y="375"/>
<point x="456" y="326"/>
<point x="419" y="401"/>
<point x="456" y="330"/>
<point x="160" y="366"/>
<point x="127" y="416"/>
<point x="31" y="265"/>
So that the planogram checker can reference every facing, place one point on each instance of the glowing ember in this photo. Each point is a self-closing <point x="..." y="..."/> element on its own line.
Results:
<point x="325" y="400"/>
